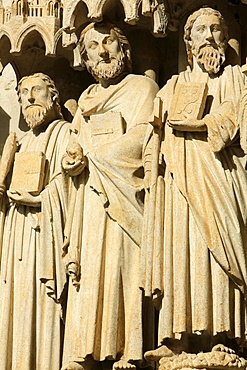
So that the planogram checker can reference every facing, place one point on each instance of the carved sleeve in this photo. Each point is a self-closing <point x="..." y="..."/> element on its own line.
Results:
<point x="222" y="126"/>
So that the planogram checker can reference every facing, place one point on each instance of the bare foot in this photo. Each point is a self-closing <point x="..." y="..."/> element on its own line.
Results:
<point x="72" y="366"/>
<point x="157" y="354"/>
<point x="222" y="348"/>
<point x="122" y="365"/>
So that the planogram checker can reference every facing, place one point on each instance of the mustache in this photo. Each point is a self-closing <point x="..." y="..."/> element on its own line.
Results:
<point x="107" y="60"/>
<point x="39" y="105"/>
<point x="208" y="44"/>
<point x="107" y="66"/>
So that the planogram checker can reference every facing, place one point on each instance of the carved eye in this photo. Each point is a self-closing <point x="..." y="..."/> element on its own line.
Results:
<point x="109" y="41"/>
<point x="200" y="28"/>
<point x="216" y="27"/>
<point x="93" y="45"/>
<point x="37" y="88"/>
<point x="24" y="91"/>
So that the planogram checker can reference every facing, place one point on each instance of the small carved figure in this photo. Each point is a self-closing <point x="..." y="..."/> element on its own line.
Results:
<point x="32" y="274"/>
<point x="104" y="323"/>
<point x="199" y="256"/>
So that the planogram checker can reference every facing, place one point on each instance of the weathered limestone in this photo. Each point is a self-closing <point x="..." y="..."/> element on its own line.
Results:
<point x="216" y="359"/>
<point x="104" y="300"/>
<point x="32" y="275"/>
<point x="198" y="272"/>
<point x="181" y="248"/>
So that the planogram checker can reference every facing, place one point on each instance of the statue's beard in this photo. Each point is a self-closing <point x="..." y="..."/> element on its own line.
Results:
<point x="36" y="114"/>
<point x="106" y="70"/>
<point x="210" y="58"/>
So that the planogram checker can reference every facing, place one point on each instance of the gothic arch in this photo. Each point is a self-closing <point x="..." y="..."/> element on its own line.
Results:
<point x="57" y="37"/>
<point x="50" y="8"/>
<point x="18" y="7"/>
<point x="46" y="37"/>
<point x="76" y="14"/>
<point x="4" y="34"/>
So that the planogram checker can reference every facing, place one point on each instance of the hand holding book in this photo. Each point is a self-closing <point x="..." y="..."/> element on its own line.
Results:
<point x="24" y="198"/>
<point x="188" y="124"/>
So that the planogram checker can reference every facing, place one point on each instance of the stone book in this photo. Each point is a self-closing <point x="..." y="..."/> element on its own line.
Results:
<point x="106" y="127"/>
<point x="28" y="172"/>
<point x="188" y="101"/>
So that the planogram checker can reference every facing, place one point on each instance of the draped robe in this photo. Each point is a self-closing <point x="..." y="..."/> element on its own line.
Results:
<point x="201" y="215"/>
<point x="104" y="315"/>
<point x="32" y="274"/>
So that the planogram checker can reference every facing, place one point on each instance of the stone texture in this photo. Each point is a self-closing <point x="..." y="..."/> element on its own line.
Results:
<point x="28" y="172"/>
<point x="195" y="273"/>
<point x="87" y="218"/>
<point x="32" y="275"/>
<point x="104" y="299"/>
<point x="209" y="360"/>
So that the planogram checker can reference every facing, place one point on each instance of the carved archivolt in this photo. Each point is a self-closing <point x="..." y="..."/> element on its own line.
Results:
<point x="24" y="16"/>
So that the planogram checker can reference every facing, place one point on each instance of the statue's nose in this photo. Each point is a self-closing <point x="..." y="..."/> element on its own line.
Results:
<point x="103" y="53"/>
<point x="209" y="35"/>
<point x="30" y="97"/>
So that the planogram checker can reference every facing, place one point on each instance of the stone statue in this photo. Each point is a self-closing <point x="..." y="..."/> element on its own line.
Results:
<point x="104" y="314"/>
<point x="32" y="274"/>
<point x="199" y="265"/>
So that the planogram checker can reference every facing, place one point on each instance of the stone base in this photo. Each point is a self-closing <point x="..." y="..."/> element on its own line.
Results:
<point x="208" y="360"/>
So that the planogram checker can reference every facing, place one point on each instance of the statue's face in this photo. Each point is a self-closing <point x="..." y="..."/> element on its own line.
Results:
<point x="35" y="100"/>
<point x="207" y="43"/>
<point x="206" y="30"/>
<point x="34" y="92"/>
<point x="105" y="57"/>
<point x="101" y="46"/>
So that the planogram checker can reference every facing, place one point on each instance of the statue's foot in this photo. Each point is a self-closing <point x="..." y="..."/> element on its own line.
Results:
<point x="72" y="366"/>
<point x="122" y="365"/>
<point x="157" y="354"/>
<point x="222" y="348"/>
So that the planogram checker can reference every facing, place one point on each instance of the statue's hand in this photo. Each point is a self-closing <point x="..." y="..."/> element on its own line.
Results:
<point x="188" y="124"/>
<point x="71" y="167"/>
<point x="24" y="198"/>
<point x="74" y="161"/>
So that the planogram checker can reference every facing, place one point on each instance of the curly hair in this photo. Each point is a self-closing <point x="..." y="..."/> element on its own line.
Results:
<point x="51" y="86"/>
<point x="190" y="22"/>
<point x="110" y="27"/>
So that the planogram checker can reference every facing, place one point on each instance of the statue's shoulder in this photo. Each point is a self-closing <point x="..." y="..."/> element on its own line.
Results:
<point x="141" y="83"/>
<point x="234" y="78"/>
<point x="58" y="124"/>
<point x="168" y="87"/>
<point x="87" y="92"/>
<point x="236" y="68"/>
<point x="234" y="71"/>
